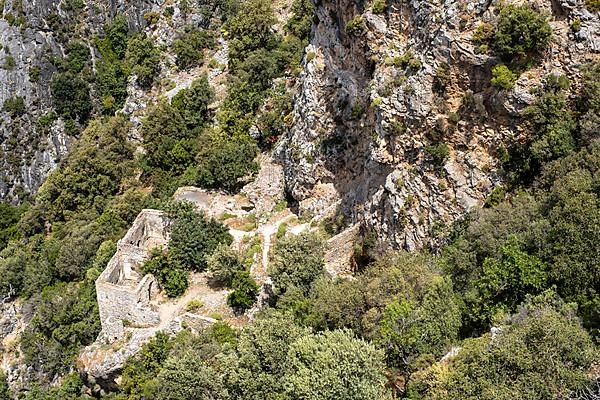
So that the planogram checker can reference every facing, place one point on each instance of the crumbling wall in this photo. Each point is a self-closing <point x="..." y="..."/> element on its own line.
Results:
<point x="123" y="292"/>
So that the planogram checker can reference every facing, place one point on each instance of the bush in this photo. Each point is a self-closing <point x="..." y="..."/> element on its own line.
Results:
<point x="15" y="106"/>
<point x="192" y="103"/>
<point x="521" y="32"/>
<point x="378" y="6"/>
<point x="245" y="291"/>
<point x="225" y="264"/>
<point x="65" y="319"/>
<point x="356" y="25"/>
<point x="297" y="262"/>
<point x="224" y="162"/>
<point x="189" y="47"/>
<point x="168" y="271"/>
<point x="92" y="173"/>
<point x="300" y="23"/>
<point x="437" y="154"/>
<point x="71" y="96"/>
<point x="503" y="77"/>
<point x="335" y="365"/>
<point x="142" y="59"/>
<point x="544" y="341"/>
<point x="194" y="237"/>
<point x="189" y="377"/>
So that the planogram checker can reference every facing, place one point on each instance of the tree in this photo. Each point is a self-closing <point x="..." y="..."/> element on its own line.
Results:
<point x="225" y="162"/>
<point x="225" y="264"/>
<point x="189" y="47"/>
<point x="194" y="237"/>
<point x="250" y="29"/>
<point x="425" y="328"/>
<point x="297" y="262"/>
<point x="188" y="376"/>
<point x="71" y="96"/>
<point x="506" y="281"/>
<point x="4" y="391"/>
<point x="168" y="271"/>
<point x="65" y="319"/>
<point x="256" y="368"/>
<point x="335" y="365"/>
<point x="521" y="31"/>
<point x="168" y="143"/>
<point x="192" y="103"/>
<point x="541" y="353"/>
<point x="92" y="173"/>
<point x="245" y="291"/>
<point x="142" y="59"/>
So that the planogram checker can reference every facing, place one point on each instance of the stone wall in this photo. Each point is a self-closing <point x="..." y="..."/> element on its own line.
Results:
<point x="123" y="292"/>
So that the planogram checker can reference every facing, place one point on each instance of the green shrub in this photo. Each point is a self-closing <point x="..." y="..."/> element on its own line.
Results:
<point x="78" y="55"/>
<point x="356" y="25"/>
<point x="194" y="237"/>
<point x="142" y="59"/>
<point x="71" y="96"/>
<point x="189" y="47"/>
<point x="15" y="106"/>
<point x="297" y="262"/>
<point x="245" y="291"/>
<point x="65" y="319"/>
<point x="168" y="271"/>
<point x="193" y="102"/>
<point x="35" y="74"/>
<point x="224" y="162"/>
<point x="225" y="263"/>
<point x="379" y="6"/>
<point x="503" y="77"/>
<point x="521" y="31"/>
<point x="300" y="23"/>
<point x="437" y="154"/>
<point x="544" y="341"/>
<point x="592" y="5"/>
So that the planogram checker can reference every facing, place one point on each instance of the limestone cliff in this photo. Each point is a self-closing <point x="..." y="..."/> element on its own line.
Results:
<point x="32" y="33"/>
<point x="379" y="91"/>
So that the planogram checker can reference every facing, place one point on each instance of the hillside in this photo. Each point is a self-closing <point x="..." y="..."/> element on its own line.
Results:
<point x="296" y="199"/>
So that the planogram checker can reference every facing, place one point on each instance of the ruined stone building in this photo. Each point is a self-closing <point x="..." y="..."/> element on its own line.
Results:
<point x="124" y="292"/>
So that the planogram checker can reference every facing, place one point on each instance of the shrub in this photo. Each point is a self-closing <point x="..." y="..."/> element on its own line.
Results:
<point x="168" y="271"/>
<point x="356" y="25"/>
<point x="437" y="154"/>
<point x="117" y="33"/>
<point x="592" y="5"/>
<point x="224" y="162"/>
<point x="142" y="59"/>
<point x="194" y="237"/>
<point x="65" y="319"/>
<point x="335" y="365"/>
<point x="297" y="262"/>
<point x="189" y="47"/>
<point x="71" y="96"/>
<point x="15" y="106"/>
<point x="245" y="291"/>
<point x="378" y="6"/>
<point x="503" y="77"/>
<point x="192" y="103"/>
<point x="300" y="23"/>
<point x="225" y="263"/>
<point x="544" y="341"/>
<point x="520" y="32"/>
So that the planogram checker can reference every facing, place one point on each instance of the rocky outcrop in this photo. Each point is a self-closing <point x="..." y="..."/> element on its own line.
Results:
<point x="396" y="124"/>
<point x="30" y="148"/>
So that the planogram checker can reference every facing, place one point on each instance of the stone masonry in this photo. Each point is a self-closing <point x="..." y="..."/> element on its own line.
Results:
<point x="124" y="293"/>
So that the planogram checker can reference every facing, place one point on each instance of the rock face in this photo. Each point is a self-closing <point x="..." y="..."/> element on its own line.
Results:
<point x="396" y="124"/>
<point x="29" y="149"/>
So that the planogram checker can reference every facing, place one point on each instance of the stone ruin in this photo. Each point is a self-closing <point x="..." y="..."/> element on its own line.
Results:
<point x="124" y="292"/>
